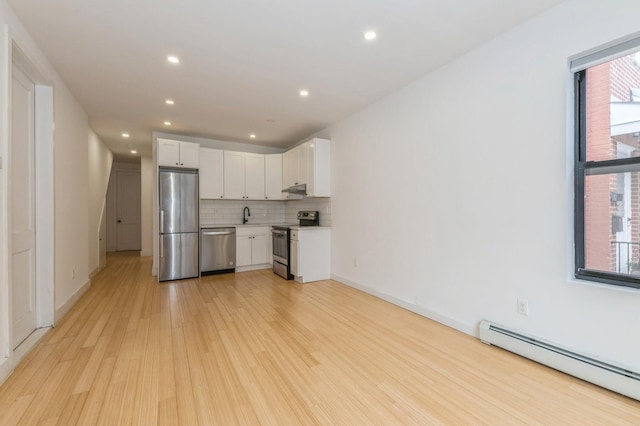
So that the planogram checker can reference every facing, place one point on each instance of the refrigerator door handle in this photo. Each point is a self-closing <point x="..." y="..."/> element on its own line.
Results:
<point x="161" y="221"/>
<point x="161" y="248"/>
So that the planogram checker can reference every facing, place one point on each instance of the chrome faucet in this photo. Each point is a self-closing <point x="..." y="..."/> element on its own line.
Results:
<point x="245" y="213"/>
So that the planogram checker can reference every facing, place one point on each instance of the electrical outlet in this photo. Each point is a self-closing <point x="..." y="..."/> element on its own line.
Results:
<point x="523" y="307"/>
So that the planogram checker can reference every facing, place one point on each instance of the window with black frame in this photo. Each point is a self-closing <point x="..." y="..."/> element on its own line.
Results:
<point x="607" y="165"/>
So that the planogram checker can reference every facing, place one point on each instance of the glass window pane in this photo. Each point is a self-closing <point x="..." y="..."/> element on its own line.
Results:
<point x="612" y="222"/>
<point x="613" y="109"/>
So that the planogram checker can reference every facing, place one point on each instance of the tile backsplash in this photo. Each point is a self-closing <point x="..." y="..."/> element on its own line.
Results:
<point x="323" y="205"/>
<point x="219" y="212"/>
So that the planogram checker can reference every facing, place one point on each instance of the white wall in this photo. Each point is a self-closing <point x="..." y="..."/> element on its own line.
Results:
<point x="453" y="195"/>
<point x="71" y="195"/>
<point x="146" y="211"/>
<point x="70" y="176"/>
<point x="100" y="161"/>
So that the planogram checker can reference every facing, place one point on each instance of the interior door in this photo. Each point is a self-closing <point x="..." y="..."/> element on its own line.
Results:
<point x="22" y="207"/>
<point x="128" y="211"/>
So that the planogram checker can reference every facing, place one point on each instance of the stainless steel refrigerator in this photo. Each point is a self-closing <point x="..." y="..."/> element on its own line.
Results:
<point x="178" y="224"/>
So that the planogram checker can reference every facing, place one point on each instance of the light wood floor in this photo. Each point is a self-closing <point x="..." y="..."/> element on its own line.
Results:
<point x="251" y="349"/>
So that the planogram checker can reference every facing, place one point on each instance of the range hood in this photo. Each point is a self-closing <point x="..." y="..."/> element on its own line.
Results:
<point x="297" y="189"/>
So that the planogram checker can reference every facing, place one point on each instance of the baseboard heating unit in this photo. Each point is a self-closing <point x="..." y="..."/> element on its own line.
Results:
<point x="615" y="378"/>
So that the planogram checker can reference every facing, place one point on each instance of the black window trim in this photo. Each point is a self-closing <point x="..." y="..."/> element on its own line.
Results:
<point x="582" y="169"/>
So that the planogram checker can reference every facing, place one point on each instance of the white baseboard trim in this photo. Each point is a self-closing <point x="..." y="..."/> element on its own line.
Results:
<point x="95" y="272"/>
<point x="145" y="253"/>
<point x="66" y="307"/>
<point x="469" y="329"/>
<point x="8" y="365"/>
<point x="27" y="346"/>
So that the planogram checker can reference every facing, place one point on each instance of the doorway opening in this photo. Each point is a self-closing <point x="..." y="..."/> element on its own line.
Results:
<point x="123" y="213"/>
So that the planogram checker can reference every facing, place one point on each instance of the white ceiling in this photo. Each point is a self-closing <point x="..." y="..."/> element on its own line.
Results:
<point x="243" y="62"/>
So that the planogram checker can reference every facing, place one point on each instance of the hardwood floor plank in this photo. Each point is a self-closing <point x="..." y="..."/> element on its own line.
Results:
<point x="72" y="409"/>
<point x="251" y="348"/>
<point x="97" y="393"/>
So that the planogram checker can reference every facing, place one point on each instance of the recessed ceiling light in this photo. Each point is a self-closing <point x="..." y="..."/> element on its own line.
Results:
<point x="133" y="151"/>
<point x="304" y="93"/>
<point x="370" y="35"/>
<point x="125" y="135"/>
<point x="169" y="102"/>
<point x="167" y="123"/>
<point x="173" y="59"/>
<point x="252" y="136"/>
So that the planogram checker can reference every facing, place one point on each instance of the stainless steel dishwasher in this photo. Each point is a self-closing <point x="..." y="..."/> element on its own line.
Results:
<point x="217" y="250"/>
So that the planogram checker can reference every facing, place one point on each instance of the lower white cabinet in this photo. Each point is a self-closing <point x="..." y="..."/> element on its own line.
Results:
<point x="311" y="254"/>
<point x="253" y="246"/>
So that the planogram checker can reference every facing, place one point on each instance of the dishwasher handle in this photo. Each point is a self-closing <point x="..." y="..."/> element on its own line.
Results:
<point x="207" y="233"/>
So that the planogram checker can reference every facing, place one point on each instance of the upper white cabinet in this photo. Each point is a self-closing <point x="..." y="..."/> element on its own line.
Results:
<point x="233" y="175"/>
<point x="318" y="167"/>
<point x="211" y="173"/>
<point x="290" y="167"/>
<point x="310" y="164"/>
<point x="254" y="176"/>
<point x="178" y="154"/>
<point x="243" y="176"/>
<point x="273" y="177"/>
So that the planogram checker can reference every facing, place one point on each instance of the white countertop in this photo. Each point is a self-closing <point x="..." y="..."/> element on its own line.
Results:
<point x="311" y="228"/>
<point x="247" y="225"/>
<point x="240" y="225"/>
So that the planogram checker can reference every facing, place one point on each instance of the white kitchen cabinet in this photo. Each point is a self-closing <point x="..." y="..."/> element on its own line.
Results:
<point x="243" y="176"/>
<point x="273" y="177"/>
<point x="309" y="164"/>
<point x="311" y="254"/>
<point x="252" y="246"/>
<point x="303" y="164"/>
<point x="254" y="176"/>
<point x="290" y="167"/>
<point x="211" y="173"/>
<point x="291" y="172"/>
<point x="294" y="258"/>
<point x="243" y="250"/>
<point x="174" y="153"/>
<point x="318" y="170"/>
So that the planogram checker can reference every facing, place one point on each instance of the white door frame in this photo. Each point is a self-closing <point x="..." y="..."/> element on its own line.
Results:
<point x="44" y="176"/>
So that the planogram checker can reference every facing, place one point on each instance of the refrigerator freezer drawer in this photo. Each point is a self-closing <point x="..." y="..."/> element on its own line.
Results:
<point x="178" y="256"/>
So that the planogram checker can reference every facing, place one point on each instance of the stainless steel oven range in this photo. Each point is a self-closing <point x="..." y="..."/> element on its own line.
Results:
<point x="282" y="243"/>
